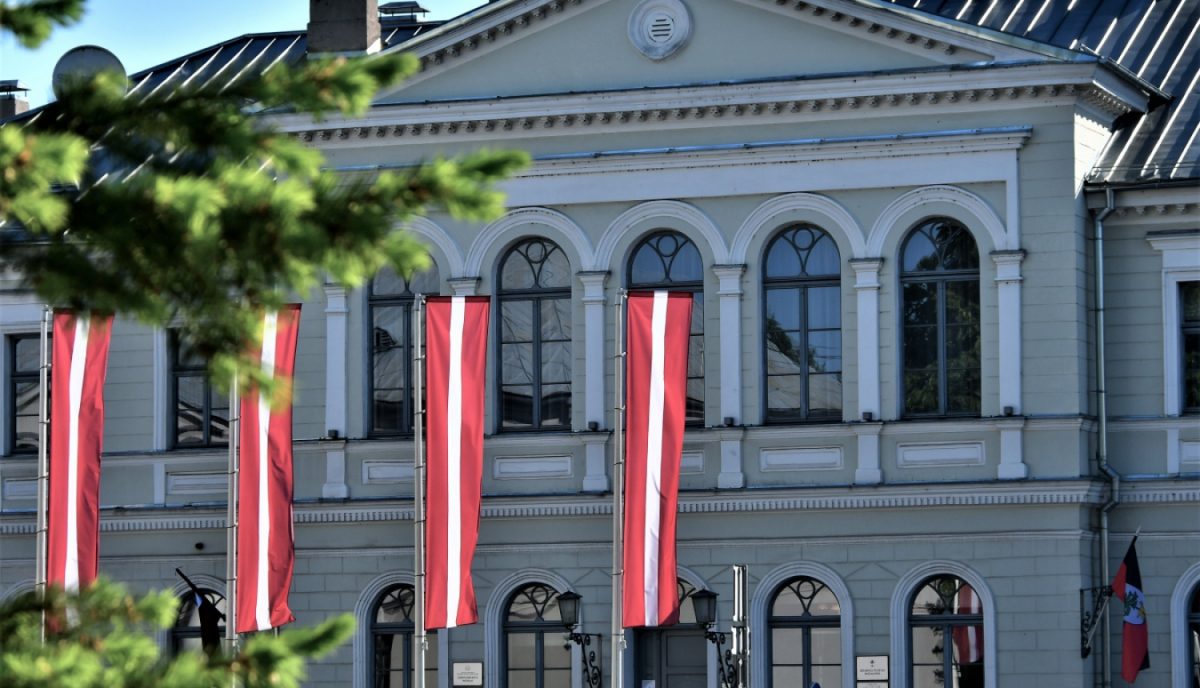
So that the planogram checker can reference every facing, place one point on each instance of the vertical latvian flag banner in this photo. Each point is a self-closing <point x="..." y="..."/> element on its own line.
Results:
<point x="456" y="330"/>
<point x="657" y="358"/>
<point x="1135" y="645"/>
<point x="80" y="360"/>
<point x="265" y="552"/>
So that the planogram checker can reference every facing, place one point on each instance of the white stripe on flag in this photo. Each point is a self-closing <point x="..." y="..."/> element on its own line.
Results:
<point x="78" y="366"/>
<point x="262" y="608"/>
<point x="454" y="463"/>
<point x="654" y="440"/>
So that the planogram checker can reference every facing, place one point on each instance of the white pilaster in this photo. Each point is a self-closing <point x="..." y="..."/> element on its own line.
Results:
<point x="1008" y="297"/>
<point x="464" y="286"/>
<point x="336" y="329"/>
<point x="729" y="297"/>
<point x="595" y="478"/>
<point x="866" y="271"/>
<point x="868" y="471"/>
<point x="163" y="413"/>
<point x="1012" y="465"/>
<point x="593" y="343"/>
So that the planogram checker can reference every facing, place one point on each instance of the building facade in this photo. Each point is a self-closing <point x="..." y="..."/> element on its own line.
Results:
<point x="888" y="218"/>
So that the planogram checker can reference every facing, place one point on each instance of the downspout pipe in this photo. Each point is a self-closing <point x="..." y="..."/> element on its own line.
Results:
<point x="1114" y="479"/>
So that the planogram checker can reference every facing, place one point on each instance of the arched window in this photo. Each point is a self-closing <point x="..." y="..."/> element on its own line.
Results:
<point x="668" y="260"/>
<point x="806" y="637"/>
<point x="803" y="326"/>
<point x="945" y="621"/>
<point x="536" y="654"/>
<point x="939" y="276"/>
<point x="535" y="337"/>
<point x="390" y="321"/>
<point x="185" y="634"/>
<point x="1193" y="636"/>
<point x="392" y="634"/>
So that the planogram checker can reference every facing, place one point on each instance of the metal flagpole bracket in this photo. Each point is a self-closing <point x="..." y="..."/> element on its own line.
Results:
<point x="1090" y="619"/>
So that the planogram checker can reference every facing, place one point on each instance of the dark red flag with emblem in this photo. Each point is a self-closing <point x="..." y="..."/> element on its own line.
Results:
<point x="1135" y="646"/>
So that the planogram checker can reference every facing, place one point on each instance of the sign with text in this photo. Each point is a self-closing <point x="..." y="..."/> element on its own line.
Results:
<point x="872" y="684"/>
<point x="468" y="674"/>
<point x="872" y="668"/>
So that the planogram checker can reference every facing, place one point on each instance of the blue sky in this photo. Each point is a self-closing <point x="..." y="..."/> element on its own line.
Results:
<point x="144" y="33"/>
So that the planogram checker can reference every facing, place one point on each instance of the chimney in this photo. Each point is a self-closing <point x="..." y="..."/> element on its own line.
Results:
<point x="13" y="98"/>
<point x="343" y="26"/>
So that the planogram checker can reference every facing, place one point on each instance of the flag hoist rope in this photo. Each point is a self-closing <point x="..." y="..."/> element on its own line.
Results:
<point x="231" y="525"/>
<point x="618" y="633"/>
<point x="417" y="341"/>
<point x="43" y="481"/>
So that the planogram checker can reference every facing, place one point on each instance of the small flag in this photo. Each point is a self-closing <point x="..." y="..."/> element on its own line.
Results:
<point x="656" y="406"/>
<point x="266" y="541"/>
<point x="456" y="342"/>
<point x="1135" y="645"/>
<point x="80" y="362"/>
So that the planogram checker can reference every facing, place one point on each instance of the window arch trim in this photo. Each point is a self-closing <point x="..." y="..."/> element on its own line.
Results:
<point x="760" y="609"/>
<point x="1181" y="653"/>
<point x="901" y="604"/>
<point x="364" y="611"/>
<point x="494" y="615"/>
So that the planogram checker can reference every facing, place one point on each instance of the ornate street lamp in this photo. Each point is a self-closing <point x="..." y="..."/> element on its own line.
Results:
<point x="705" y="604"/>
<point x="568" y="609"/>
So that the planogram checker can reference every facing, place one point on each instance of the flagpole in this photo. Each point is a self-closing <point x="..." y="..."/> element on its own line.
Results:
<point x="418" y="493"/>
<point x="618" y="634"/>
<point x="43" y="483"/>
<point x="231" y="525"/>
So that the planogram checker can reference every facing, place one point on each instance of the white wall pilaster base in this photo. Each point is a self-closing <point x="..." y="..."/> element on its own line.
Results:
<point x="335" y="472"/>
<point x="595" y="446"/>
<point x="1012" y="463"/>
<point x="868" y="471"/>
<point x="731" y="476"/>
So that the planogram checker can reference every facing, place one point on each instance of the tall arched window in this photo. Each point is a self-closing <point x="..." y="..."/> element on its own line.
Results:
<point x="668" y="260"/>
<point x="535" y="337"/>
<point x="1193" y="636"/>
<point x="806" y="637"/>
<point x="535" y="651"/>
<point x="945" y="621"/>
<point x="939" y="276"/>
<point x="185" y="634"/>
<point x="392" y="632"/>
<point x="390" y="321"/>
<point x="803" y="326"/>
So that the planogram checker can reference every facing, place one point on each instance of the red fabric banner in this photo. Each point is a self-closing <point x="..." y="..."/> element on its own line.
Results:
<point x="456" y="363"/>
<point x="266" y="553"/>
<point x="656" y="403"/>
<point x="1135" y="634"/>
<point x="80" y="361"/>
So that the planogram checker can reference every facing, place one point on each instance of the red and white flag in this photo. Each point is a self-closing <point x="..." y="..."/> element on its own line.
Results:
<point x="1135" y="634"/>
<point x="656" y="404"/>
<point x="266" y="553"/>
<point x="80" y="361"/>
<point x="968" y="640"/>
<point x="456" y="364"/>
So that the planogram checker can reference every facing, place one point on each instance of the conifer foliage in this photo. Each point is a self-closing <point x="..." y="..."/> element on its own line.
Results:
<point x="185" y="206"/>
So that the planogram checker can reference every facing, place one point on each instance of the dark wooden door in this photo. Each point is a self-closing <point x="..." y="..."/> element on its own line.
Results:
<point x="672" y="658"/>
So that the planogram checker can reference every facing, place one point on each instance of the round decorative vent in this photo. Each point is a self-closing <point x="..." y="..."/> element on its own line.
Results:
<point x="657" y="28"/>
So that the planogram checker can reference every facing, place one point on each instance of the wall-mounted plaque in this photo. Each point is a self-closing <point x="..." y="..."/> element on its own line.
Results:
<point x="467" y="674"/>
<point x="872" y="668"/>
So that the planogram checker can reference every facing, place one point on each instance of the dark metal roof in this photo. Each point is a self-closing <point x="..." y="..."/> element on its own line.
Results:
<point x="1158" y="40"/>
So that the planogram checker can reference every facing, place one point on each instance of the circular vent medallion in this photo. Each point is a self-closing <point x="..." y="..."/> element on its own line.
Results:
<point x="657" y="28"/>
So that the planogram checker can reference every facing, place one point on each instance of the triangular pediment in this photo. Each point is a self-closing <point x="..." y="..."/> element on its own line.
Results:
<point x="542" y="47"/>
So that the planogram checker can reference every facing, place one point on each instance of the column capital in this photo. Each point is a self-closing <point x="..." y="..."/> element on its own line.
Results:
<point x="464" y="286"/>
<point x="1008" y="265"/>
<point x="593" y="282"/>
<point x="867" y="272"/>
<point x="730" y="278"/>
<point x="335" y="298"/>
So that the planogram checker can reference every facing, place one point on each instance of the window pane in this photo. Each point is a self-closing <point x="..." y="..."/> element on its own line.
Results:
<point x="962" y="302"/>
<point x="426" y="282"/>
<point x="927" y="647"/>
<point x="522" y="651"/>
<point x="695" y="401"/>
<point x="921" y="392"/>
<point x="687" y="266"/>
<point x="697" y="312"/>
<point x="929" y="676"/>
<point x="825" y="351"/>
<point x="826" y="645"/>
<point x="27" y="354"/>
<point x="555" y="272"/>
<point x="783" y="309"/>
<point x="189" y="410"/>
<point x="787" y="645"/>
<point x="919" y="253"/>
<point x="963" y="391"/>
<point x="521" y="679"/>
<point x="556" y="319"/>
<point x="785" y="353"/>
<point x="556" y="405"/>
<point x="920" y="348"/>
<point x="517" y="367"/>
<point x="1191" y="370"/>
<point x="517" y="272"/>
<point x="1189" y="293"/>
<point x="968" y="644"/>
<point x="396" y="606"/>
<point x="696" y="356"/>
<point x="824" y="308"/>
<point x="790" y="676"/>
<point x="920" y="303"/>
<point x="962" y="346"/>
<point x="516" y="403"/>
<point x="647" y="266"/>
<point x="784" y="396"/>
<point x="782" y="258"/>
<point x="829" y="676"/>
<point x="556" y="362"/>
<point x="218" y="418"/>
<point x="556" y="678"/>
<point x="516" y="324"/>
<point x="555" y="651"/>
<point x="386" y="281"/>
<point x="387" y="327"/>
<point x="825" y="395"/>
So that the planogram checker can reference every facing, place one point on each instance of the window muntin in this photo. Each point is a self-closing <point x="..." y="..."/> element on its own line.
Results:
<point x="806" y="637"/>
<point x="802" y="326"/>
<point x="24" y="392"/>
<point x="390" y="303"/>
<point x="535" y="337"/>
<point x="946" y="612"/>
<point x="939" y="283"/>
<point x="201" y="412"/>
<point x="535" y="652"/>
<point x="668" y="260"/>
<point x="393" y="638"/>
<point x="1189" y="306"/>
<point x="185" y="634"/>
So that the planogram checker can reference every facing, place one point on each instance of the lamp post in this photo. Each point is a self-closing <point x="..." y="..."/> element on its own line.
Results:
<point x="568" y="609"/>
<point x="728" y="663"/>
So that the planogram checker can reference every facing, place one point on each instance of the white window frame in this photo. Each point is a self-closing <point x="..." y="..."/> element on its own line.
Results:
<point x="1181" y="256"/>
<point x="1181" y="654"/>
